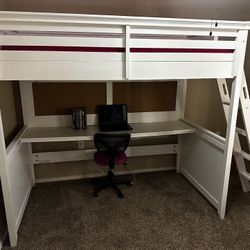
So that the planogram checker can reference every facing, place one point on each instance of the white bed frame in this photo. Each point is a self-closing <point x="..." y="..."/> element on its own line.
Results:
<point x="63" y="47"/>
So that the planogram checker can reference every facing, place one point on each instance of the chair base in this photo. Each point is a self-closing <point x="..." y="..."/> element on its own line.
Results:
<point x="109" y="182"/>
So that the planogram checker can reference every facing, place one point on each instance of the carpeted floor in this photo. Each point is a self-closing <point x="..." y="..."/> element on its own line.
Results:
<point x="161" y="211"/>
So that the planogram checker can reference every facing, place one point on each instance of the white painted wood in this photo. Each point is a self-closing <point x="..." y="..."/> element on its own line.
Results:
<point x="39" y="19"/>
<point x="202" y="165"/>
<point x="109" y="93"/>
<point x="207" y="135"/>
<point x="244" y="154"/>
<point x="67" y="56"/>
<point x="171" y="70"/>
<point x="87" y="154"/>
<point x="100" y="174"/>
<point x="232" y="117"/>
<point x="183" y="98"/>
<point x="181" y="32"/>
<point x="137" y="117"/>
<point x="127" y="51"/>
<point x="178" y="102"/>
<point x="62" y="41"/>
<point x="151" y="117"/>
<point x="20" y="178"/>
<point x="78" y="67"/>
<point x="6" y="188"/>
<point x="178" y="155"/>
<point x="32" y="170"/>
<point x="240" y="163"/>
<point x="34" y="56"/>
<point x="61" y="71"/>
<point x="246" y="175"/>
<point x="140" y="130"/>
<point x="179" y="57"/>
<point x="245" y="107"/>
<point x="27" y="102"/>
<point x="240" y="51"/>
<point x="16" y="181"/>
<point x="108" y="31"/>
<point x="195" y="44"/>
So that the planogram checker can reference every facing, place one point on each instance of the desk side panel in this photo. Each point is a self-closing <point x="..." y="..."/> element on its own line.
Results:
<point x="202" y="164"/>
<point x="19" y="176"/>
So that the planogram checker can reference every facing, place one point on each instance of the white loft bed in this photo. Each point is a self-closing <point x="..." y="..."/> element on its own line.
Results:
<point x="59" y="47"/>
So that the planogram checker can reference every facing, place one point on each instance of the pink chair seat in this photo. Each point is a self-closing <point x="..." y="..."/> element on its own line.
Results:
<point x="102" y="159"/>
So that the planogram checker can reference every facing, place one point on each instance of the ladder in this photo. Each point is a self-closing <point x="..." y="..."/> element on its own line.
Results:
<point x="239" y="154"/>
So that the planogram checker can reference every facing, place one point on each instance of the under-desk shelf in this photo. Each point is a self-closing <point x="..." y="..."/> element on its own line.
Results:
<point x="140" y="130"/>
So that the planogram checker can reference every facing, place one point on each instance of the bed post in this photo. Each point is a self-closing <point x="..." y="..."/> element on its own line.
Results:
<point x="180" y="108"/>
<point x="232" y="118"/>
<point x="6" y="189"/>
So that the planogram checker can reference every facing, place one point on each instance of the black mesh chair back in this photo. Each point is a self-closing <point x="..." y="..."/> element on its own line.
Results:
<point x="111" y="143"/>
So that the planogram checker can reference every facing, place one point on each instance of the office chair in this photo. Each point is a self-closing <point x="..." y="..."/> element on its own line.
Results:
<point x="110" y="151"/>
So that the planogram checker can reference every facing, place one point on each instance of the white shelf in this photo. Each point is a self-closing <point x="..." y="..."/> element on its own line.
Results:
<point x="140" y="130"/>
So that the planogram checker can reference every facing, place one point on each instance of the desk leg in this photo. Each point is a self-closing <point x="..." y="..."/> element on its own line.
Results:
<point x="178" y="154"/>
<point x="32" y="171"/>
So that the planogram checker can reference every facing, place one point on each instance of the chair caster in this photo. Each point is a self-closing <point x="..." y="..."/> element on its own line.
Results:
<point x="121" y="195"/>
<point x="95" y="195"/>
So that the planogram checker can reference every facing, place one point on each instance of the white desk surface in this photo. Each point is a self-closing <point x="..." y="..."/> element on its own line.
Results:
<point x="140" y="130"/>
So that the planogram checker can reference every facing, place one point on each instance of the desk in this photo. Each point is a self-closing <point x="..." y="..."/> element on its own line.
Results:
<point x="140" y="130"/>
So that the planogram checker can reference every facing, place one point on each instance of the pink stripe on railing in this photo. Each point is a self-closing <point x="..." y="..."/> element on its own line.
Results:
<point x="110" y="49"/>
<point x="60" y="48"/>
<point x="179" y="50"/>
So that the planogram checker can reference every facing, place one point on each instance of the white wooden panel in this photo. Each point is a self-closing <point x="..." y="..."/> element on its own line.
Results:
<point x="181" y="32"/>
<point x="80" y="155"/>
<point x="61" y="56"/>
<point x="137" y="117"/>
<point x="202" y="165"/>
<point x="67" y="70"/>
<point x="182" y="57"/>
<point x="39" y="27"/>
<point x="19" y="168"/>
<point x="60" y="70"/>
<point x="113" y="57"/>
<point x="62" y="19"/>
<point x="62" y="41"/>
<point x="180" y="70"/>
<point x="194" y="44"/>
<point x="6" y="188"/>
<point x="140" y="130"/>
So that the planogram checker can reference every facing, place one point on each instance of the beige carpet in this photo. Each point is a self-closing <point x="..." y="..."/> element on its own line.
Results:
<point x="161" y="211"/>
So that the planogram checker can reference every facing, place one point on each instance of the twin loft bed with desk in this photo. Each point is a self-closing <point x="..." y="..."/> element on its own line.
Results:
<point x="48" y="47"/>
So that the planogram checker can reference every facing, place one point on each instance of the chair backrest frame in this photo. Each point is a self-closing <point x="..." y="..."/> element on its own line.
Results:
<point x="111" y="144"/>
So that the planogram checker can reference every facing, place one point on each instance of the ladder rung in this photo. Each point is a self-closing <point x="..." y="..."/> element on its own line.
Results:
<point x="228" y="103"/>
<point x="241" y="131"/>
<point x="245" y="175"/>
<point x="243" y="154"/>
